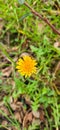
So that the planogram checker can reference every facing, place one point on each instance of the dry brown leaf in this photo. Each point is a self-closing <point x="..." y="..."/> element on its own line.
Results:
<point x="27" y="100"/>
<point x="4" y="122"/>
<point x="18" y="117"/>
<point x="42" y="116"/>
<point x="57" y="68"/>
<point x="36" y="114"/>
<point x="13" y="128"/>
<point x="7" y="71"/>
<point x="13" y="106"/>
<point x="13" y="49"/>
<point x="27" y="119"/>
<point x="16" y="106"/>
<point x="24" y="54"/>
<point x="4" y="109"/>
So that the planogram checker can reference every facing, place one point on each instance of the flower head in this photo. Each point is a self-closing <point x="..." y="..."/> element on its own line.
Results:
<point x="26" y="66"/>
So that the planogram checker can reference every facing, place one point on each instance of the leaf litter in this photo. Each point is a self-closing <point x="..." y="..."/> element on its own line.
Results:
<point x="22" y="111"/>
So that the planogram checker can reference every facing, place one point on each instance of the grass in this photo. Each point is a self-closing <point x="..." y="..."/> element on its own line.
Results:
<point x="33" y="36"/>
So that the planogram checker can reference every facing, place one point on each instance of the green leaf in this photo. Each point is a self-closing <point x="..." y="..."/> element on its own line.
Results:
<point x="34" y="49"/>
<point x="19" y="88"/>
<point x="21" y="1"/>
<point x="24" y="16"/>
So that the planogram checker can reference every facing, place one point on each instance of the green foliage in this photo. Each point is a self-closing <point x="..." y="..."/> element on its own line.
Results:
<point x="56" y="112"/>
<point x="43" y="96"/>
<point x="31" y="88"/>
<point x="19" y="88"/>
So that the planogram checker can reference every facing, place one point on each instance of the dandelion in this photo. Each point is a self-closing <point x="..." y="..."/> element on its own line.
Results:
<point x="26" y="66"/>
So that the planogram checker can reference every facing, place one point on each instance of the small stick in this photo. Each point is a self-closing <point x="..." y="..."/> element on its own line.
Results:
<point x="42" y="18"/>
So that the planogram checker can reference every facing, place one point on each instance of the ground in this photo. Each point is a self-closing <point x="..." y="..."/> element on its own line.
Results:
<point x="30" y="103"/>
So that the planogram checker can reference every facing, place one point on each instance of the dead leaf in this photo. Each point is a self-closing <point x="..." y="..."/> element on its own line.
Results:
<point x="4" y="109"/>
<point x="57" y="68"/>
<point x="36" y="114"/>
<point x="7" y="71"/>
<point x="13" y="128"/>
<point x="18" y="117"/>
<point x="41" y="113"/>
<point x="13" y="106"/>
<point x="4" y="122"/>
<point x="24" y="54"/>
<point x="27" y="119"/>
<point x="13" y="49"/>
<point x="27" y="100"/>
<point x="42" y="118"/>
<point x="18" y="109"/>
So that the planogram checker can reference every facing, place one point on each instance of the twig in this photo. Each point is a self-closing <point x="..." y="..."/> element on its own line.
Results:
<point x="42" y="18"/>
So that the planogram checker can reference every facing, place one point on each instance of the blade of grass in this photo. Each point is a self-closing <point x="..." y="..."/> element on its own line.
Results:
<point x="9" y="119"/>
<point x="2" y="48"/>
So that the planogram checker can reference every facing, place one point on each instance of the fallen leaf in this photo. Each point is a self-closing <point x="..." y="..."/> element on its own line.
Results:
<point x="36" y="114"/>
<point x="18" y="117"/>
<point x="13" y="128"/>
<point x="27" y="119"/>
<point x="7" y="71"/>
<point x="57" y="68"/>
<point x="41" y="113"/>
<point x="4" y="122"/>
<point x="42" y="118"/>
<point x="4" y="109"/>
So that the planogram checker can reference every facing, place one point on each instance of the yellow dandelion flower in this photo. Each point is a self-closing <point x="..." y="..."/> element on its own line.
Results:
<point x="26" y="66"/>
